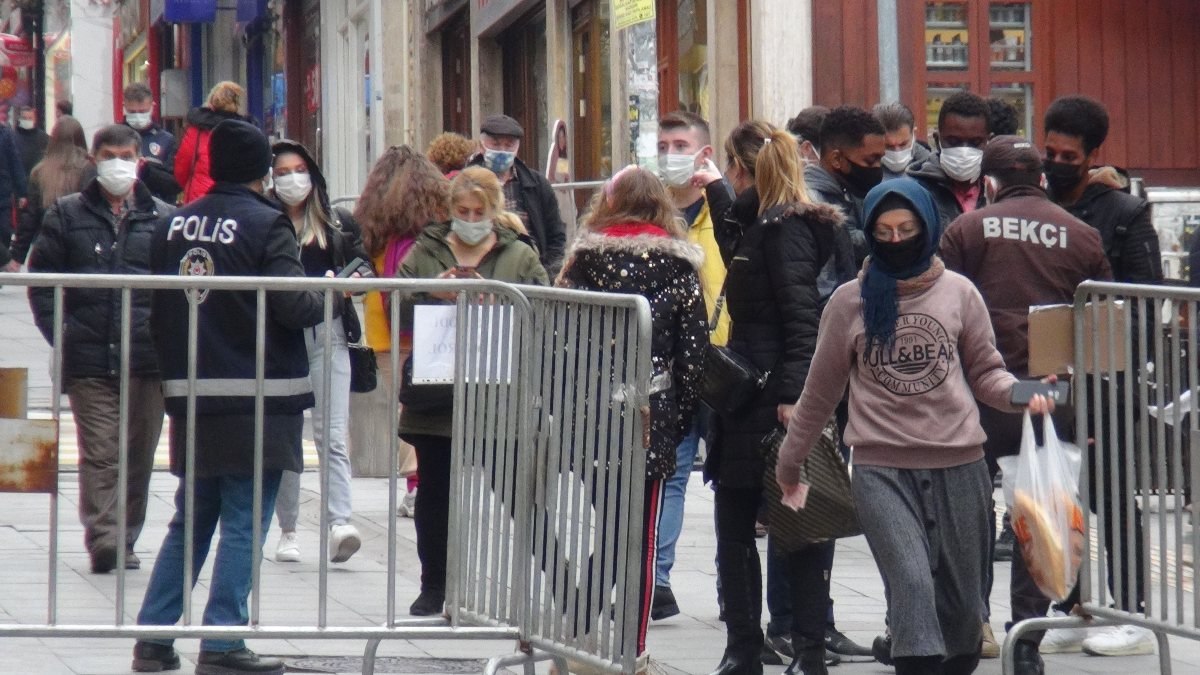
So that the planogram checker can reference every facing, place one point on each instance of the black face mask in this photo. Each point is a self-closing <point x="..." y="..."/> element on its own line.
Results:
<point x="861" y="178"/>
<point x="1062" y="178"/>
<point x="897" y="256"/>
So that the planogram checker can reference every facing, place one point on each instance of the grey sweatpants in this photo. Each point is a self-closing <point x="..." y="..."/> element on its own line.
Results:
<point x="928" y="532"/>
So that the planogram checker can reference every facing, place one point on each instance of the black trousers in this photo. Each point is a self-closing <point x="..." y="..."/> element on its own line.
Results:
<point x="433" y="509"/>
<point x="740" y="573"/>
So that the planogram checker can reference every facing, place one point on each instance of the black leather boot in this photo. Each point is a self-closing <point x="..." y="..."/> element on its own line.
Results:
<point x="741" y="582"/>
<point x="735" y="663"/>
<point x="918" y="665"/>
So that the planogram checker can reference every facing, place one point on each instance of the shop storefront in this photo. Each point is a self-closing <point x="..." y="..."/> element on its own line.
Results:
<point x="18" y="59"/>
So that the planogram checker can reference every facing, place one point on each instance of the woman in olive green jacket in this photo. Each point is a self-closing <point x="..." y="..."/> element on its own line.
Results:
<point x="480" y="241"/>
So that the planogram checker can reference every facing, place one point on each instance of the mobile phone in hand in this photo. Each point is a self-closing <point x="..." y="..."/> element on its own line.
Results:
<point x="1024" y="391"/>
<point x="353" y="266"/>
<point x="465" y="272"/>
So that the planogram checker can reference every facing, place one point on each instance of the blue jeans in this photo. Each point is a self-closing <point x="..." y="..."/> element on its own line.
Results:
<point x="670" y="521"/>
<point x="228" y="500"/>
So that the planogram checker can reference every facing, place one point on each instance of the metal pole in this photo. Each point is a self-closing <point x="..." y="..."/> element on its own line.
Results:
<point x="39" y="63"/>
<point x="889" y="51"/>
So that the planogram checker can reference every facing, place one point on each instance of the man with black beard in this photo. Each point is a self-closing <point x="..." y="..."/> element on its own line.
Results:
<point x="851" y="145"/>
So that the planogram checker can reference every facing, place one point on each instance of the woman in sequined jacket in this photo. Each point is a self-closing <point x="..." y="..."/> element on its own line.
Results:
<point x="633" y="242"/>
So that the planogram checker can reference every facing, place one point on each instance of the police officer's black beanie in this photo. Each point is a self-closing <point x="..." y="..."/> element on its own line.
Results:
<point x="238" y="153"/>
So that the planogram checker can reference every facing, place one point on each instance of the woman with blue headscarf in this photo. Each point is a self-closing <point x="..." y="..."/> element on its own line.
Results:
<point x="914" y="343"/>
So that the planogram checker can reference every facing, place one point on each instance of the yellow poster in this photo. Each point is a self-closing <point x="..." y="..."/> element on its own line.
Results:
<point x="627" y="13"/>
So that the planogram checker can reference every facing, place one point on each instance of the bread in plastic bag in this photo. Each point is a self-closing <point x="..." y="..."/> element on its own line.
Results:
<point x="1047" y="517"/>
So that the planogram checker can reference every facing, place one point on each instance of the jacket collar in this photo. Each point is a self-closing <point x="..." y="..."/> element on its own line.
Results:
<point x="638" y="238"/>
<point x="1015" y="191"/>
<point x="144" y="205"/>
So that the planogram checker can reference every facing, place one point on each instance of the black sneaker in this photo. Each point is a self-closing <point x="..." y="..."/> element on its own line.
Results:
<point x="881" y="649"/>
<point x="132" y="562"/>
<point x="104" y="560"/>
<point x="782" y="644"/>
<point x="237" y="662"/>
<point x="428" y="603"/>
<point x="769" y="657"/>
<point x="663" y="606"/>
<point x="151" y="657"/>
<point x="1004" y="543"/>
<point x="838" y="643"/>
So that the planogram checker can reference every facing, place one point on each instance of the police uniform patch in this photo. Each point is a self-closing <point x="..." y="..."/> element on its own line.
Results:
<point x="197" y="262"/>
<point x="155" y="149"/>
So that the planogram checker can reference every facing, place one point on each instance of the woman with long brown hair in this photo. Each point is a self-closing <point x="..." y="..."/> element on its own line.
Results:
<point x="404" y="193"/>
<point x="633" y="242"/>
<point x="64" y="170"/>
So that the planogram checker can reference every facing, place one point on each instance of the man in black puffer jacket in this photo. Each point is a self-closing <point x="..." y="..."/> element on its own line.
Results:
<point x="105" y="229"/>
<point x="230" y="231"/>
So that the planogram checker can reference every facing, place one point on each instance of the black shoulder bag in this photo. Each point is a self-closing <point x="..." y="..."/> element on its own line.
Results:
<point x="730" y="381"/>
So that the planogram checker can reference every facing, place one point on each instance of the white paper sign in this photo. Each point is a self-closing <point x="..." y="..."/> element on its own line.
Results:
<point x="435" y="337"/>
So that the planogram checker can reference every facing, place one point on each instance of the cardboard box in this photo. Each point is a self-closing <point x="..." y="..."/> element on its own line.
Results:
<point x="1052" y="338"/>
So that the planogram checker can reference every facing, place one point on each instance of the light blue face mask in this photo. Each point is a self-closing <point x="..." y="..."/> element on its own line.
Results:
<point x="470" y="233"/>
<point x="498" y="161"/>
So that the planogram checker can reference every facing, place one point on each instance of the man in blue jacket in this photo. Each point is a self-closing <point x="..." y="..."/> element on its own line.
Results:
<point x="231" y="231"/>
<point x="158" y="145"/>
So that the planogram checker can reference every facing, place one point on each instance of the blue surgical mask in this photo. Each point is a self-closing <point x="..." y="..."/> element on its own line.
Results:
<point x="498" y="161"/>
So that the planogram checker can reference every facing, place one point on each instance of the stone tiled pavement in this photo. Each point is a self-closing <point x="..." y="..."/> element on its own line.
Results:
<point x="689" y="643"/>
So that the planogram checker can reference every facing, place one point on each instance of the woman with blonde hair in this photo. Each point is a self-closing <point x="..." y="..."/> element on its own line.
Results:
<point x="633" y="242"/>
<point x="772" y="298"/>
<point x="225" y="101"/>
<point x="475" y="244"/>
<point x="404" y="193"/>
<point x="64" y="170"/>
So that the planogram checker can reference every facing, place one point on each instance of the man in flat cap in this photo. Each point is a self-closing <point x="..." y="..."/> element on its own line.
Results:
<point x="1020" y="250"/>
<point x="231" y="231"/>
<point x="527" y="193"/>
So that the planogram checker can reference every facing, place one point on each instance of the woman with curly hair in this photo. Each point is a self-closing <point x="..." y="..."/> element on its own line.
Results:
<point x="450" y="152"/>
<point x="404" y="193"/>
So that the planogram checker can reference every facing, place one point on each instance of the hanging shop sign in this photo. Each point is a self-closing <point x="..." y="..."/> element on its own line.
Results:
<point x="190" y="11"/>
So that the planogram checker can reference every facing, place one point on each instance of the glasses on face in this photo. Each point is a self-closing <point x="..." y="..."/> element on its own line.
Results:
<point x="902" y="232"/>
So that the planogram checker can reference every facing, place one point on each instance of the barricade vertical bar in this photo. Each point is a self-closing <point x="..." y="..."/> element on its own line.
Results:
<point x="526" y="417"/>
<point x="579" y="468"/>
<point x="260" y="376"/>
<point x="1102" y="489"/>
<point x="189" y="487"/>
<point x="56" y="387"/>
<point x="123" y="452"/>
<point x="1115" y="451"/>
<point x="393" y="448"/>
<point x="496" y="450"/>
<point x="614" y="384"/>
<point x="1177" y="485"/>
<point x="472" y="560"/>
<point x="326" y="338"/>
<point x="1160" y="463"/>
<point x="1193" y="380"/>
<point x="454" y="555"/>
<point x="548" y="464"/>
<point x="1082" y="369"/>
<point x="1145" y="463"/>
<point x="638" y="466"/>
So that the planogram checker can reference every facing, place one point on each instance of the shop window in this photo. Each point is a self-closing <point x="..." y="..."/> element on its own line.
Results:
<point x="456" y="75"/>
<point x="682" y="33"/>
<point x="591" y="92"/>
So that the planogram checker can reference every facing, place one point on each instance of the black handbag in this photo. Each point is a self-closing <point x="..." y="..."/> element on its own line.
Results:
<point x="729" y="381"/>
<point x="364" y="370"/>
<point x="828" y="511"/>
<point x="423" y="398"/>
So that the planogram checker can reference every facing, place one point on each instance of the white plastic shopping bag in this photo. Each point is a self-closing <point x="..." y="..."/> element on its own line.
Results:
<point x="1047" y="517"/>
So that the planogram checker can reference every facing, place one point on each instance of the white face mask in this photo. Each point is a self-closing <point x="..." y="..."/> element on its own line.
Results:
<point x="293" y="188"/>
<point x="962" y="163"/>
<point x="470" y="233"/>
<point x="897" y="160"/>
<point x="677" y="170"/>
<point x="117" y="175"/>
<point x="27" y="124"/>
<point x="138" y="121"/>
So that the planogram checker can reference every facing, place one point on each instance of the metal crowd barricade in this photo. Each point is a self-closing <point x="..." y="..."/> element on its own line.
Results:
<point x="547" y="480"/>
<point x="1134" y="378"/>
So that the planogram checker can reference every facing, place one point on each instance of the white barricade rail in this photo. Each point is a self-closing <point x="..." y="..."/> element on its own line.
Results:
<point x="548" y="475"/>
<point x="1133" y="397"/>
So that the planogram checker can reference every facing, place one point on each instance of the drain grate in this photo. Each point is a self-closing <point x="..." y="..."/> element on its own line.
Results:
<point x="384" y="665"/>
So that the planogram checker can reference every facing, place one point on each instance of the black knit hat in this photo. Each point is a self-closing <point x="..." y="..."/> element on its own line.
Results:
<point x="238" y="152"/>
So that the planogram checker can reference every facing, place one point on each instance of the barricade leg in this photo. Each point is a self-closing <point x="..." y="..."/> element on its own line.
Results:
<point x="1021" y="628"/>
<point x="528" y="660"/>
<point x="1164" y="653"/>
<point x="369" y="657"/>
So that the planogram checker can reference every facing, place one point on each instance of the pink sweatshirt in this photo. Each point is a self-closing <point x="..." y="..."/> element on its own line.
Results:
<point x="913" y="406"/>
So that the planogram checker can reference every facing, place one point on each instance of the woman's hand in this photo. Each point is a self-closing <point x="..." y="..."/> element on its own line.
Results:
<point x="783" y="412"/>
<point x="1043" y="405"/>
<point x="706" y="174"/>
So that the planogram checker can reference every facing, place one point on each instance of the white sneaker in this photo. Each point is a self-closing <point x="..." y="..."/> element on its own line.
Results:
<point x="343" y="542"/>
<point x="407" y="508"/>
<point x="288" y="549"/>
<point x="1120" y="641"/>
<point x="1063" y="640"/>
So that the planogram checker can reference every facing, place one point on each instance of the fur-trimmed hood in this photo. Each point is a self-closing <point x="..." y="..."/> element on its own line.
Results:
<point x="634" y="244"/>
<point x="823" y="216"/>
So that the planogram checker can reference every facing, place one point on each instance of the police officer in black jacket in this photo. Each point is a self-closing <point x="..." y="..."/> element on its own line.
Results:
<point x="231" y="231"/>
<point x="158" y="144"/>
<point x="105" y="229"/>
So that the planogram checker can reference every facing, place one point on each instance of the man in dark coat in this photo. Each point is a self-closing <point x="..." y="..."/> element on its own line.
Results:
<point x="527" y="193"/>
<point x="12" y="189"/>
<point x="231" y="231"/>
<point x="158" y="144"/>
<point x="105" y="229"/>
<point x="951" y="174"/>
<point x="31" y="141"/>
